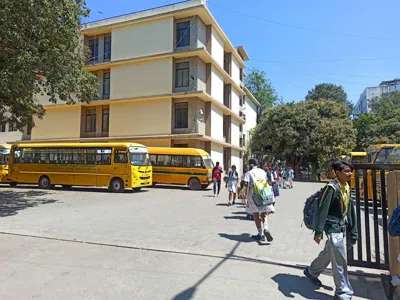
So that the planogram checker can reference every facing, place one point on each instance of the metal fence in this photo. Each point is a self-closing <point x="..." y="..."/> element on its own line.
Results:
<point x="370" y="199"/>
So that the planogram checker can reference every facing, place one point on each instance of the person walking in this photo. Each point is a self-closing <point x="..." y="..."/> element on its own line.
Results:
<point x="260" y="213"/>
<point x="232" y="184"/>
<point x="290" y="176"/>
<point x="336" y="217"/>
<point x="217" y="174"/>
<point x="243" y="191"/>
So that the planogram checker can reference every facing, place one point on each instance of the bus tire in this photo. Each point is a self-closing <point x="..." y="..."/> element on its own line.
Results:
<point x="13" y="184"/>
<point x="44" y="183"/>
<point x="194" y="184"/>
<point x="136" y="189"/>
<point x="117" y="185"/>
<point x="66" y="186"/>
<point x="204" y="186"/>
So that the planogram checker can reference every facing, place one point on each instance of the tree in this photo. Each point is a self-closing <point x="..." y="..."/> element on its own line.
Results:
<point x="383" y="124"/>
<point x="329" y="91"/>
<point x="312" y="130"/>
<point x="261" y="87"/>
<point x="41" y="53"/>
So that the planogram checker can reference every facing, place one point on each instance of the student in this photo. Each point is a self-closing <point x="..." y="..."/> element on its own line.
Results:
<point x="232" y="184"/>
<point x="217" y="172"/>
<point x="258" y="211"/>
<point x="336" y="217"/>
<point x="243" y="190"/>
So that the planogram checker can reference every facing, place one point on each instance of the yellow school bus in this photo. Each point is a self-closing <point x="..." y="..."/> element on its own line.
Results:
<point x="354" y="158"/>
<point x="115" y="165"/>
<point x="4" y="156"/>
<point x="182" y="166"/>
<point x="376" y="154"/>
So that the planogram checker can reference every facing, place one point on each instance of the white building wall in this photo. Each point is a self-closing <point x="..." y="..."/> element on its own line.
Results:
<point x="12" y="136"/>
<point x="201" y="75"/>
<point x="143" y="39"/>
<point x="235" y="132"/>
<point x="235" y="98"/>
<point x="217" y="85"/>
<point x="217" y="47"/>
<point x="251" y="117"/>
<point x="217" y="154"/>
<point x="217" y="118"/>
<point x="235" y="70"/>
<point x="237" y="161"/>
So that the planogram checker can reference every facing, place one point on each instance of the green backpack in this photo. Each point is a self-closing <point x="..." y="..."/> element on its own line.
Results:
<point x="263" y="194"/>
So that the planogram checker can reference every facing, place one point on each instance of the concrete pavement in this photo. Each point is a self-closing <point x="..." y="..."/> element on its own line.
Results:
<point x="178" y="244"/>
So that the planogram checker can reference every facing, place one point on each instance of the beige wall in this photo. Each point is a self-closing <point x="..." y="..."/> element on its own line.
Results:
<point x="251" y="117"/>
<point x="149" y="38"/>
<point x="217" y="85"/>
<point x="140" y="118"/>
<point x="154" y="143"/>
<point x="217" y="47"/>
<point x="142" y="79"/>
<point x="59" y="123"/>
<point x="217" y="153"/>
<point x="237" y="161"/>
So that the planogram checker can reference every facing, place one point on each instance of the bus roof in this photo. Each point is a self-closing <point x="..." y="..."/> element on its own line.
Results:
<point x="5" y="146"/>
<point x="358" y="153"/>
<point x="77" y="145"/>
<point x="382" y="145"/>
<point x="177" y="151"/>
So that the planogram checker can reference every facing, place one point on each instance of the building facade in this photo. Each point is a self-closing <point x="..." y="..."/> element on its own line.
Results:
<point x="369" y="93"/>
<point x="169" y="77"/>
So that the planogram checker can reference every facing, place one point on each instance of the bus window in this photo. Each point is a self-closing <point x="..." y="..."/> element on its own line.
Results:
<point x="208" y="162"/>
<point x="153" y="159"/>
<point x="357" y="159"/>
<point x="163" y="160"/>
<point x="383" y="154"/>
<point x="103" y="156"/>
<point x="393" y="157"/>
<point x="196" y="162"/>
<point x="121" y="156"/>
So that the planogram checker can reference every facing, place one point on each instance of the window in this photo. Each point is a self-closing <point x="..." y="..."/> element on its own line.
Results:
<point x="105" y="119"/>
<point x="153" y="159"/>
<point x="12" y="126"/>
<point x="103" y="156"/>
<point x="196" y="162"/>
<point x="107" y="47"/>
<point x="181" y="115"/>
<point x="106" y="85"/>
<point x="182" y="75"/>
<point x="3" y="127"/>
<point x="121" y="156"/>
<point x="94" y="50"/>
<point x="163" y="160"/>
<point x="183" y="34"/>
<point x="90" y="125"/>
<point x="179" y="161"/>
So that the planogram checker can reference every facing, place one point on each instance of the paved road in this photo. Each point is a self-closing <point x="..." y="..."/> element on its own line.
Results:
<point x="162" y="243"/>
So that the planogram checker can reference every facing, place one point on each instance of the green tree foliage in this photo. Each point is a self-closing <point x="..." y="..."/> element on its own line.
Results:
<point x="41" y="53"/>
<point x="312" y="130"/>
<point x="383" y="124"/>
<point x="329" y="91"/>
<point x="261" y="87"/>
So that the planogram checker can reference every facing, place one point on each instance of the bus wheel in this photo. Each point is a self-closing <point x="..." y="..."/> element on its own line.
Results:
<point x="137" y="189"/>
<point x="194" y="184"/>
<point x="66" y="186"/>
<point x="13" y="184"/>
<point x="117" y="185"/>
<point x="204" y="186"/>
<point x="44" y="182"/>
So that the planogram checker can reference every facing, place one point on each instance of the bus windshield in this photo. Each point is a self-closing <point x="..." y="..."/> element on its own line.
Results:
<point x="139" y="156"/>
<point x="208" y="161"/>
<point x="4" y="154"/>
<point x="394" y="157"/>
<point x="383" y="154"/>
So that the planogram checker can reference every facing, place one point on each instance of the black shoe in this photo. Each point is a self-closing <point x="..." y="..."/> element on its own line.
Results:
<point x="233" y="203"/>
<point x="268" y="235"/>
<point x="313" y="279"/>
<point x="256" y="237"/>
<point x="388" y="287"/>
<point x="229" y="204"/>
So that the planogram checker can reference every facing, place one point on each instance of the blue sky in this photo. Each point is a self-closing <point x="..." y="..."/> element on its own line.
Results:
<point x="290" y="51"/>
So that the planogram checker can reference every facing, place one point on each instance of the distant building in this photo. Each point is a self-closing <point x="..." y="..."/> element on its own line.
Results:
<point x="362" y="105"/>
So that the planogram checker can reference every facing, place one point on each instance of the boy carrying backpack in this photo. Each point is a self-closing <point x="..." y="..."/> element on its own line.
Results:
<point x="259" y="200"/>
<point x="332" y="211"/>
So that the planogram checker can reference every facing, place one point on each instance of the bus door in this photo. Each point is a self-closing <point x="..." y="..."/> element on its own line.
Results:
<point x="121" y="163"/>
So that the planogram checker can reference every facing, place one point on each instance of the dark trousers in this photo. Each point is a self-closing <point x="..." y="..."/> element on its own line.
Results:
<point x="217" y="183"/>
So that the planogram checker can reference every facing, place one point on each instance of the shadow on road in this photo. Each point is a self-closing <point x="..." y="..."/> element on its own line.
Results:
<point x="189" y="292"/>
<point x="83" y="189"/>
<point x="289" y="285"/>
<point x="12" y="202"/>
